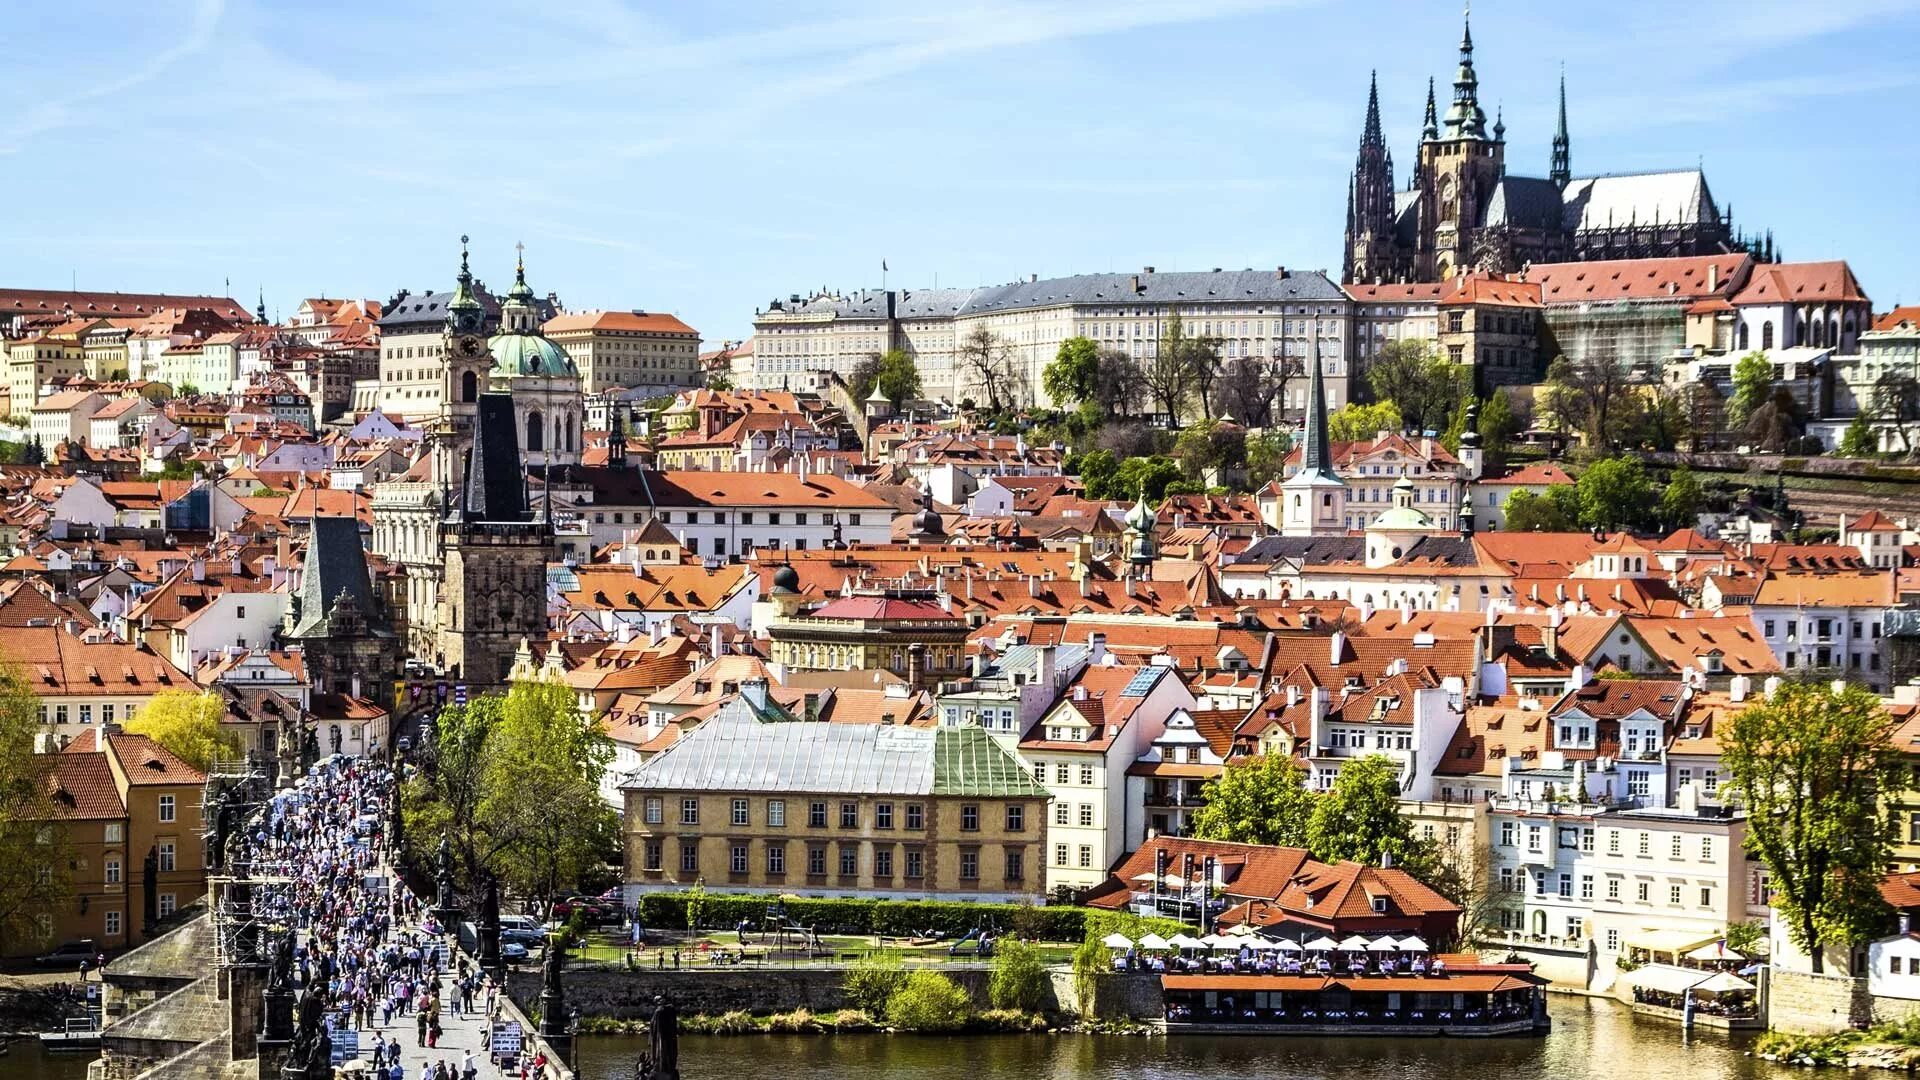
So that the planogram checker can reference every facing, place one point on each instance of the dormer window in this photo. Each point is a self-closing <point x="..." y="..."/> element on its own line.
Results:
<point x="1380" y="905"/>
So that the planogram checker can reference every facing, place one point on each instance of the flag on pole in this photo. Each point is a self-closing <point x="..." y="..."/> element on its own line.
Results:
<point x="883" y="266"/>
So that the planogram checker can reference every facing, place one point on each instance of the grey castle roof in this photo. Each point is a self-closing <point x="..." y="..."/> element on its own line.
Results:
<point x="1170" y="287"/>
<point x="336" y="565"/>
<point x="1589" y="203"/>
<point x="1525" y="202"/>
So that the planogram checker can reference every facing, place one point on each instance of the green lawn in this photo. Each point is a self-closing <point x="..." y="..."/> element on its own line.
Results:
<point x="836" y="948"/>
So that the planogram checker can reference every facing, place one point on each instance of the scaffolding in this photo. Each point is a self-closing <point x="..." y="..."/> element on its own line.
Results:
<point x="245" y="898"/>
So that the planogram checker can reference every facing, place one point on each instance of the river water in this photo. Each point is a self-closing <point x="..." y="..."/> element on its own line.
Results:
<point x="1591" y="1040"/>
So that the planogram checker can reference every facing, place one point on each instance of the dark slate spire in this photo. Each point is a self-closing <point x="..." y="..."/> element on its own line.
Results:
<point x="1430" y="130"/>
<point x="617" y="440"/>
<point x="496" y="482"/>
<point x="1370" y="135"/>
<point x="1369" y="197"/>
<point x="1466" y="119"/>
<point x="335" y="567"/>
<point x="464" y="313"/>
<point x="260" y="310"/>
<point x="1316" y="455"/>
<point x="1561" y="172"/>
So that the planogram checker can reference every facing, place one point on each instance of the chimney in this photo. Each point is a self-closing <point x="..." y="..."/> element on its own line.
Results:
<point x="755" y="691"/>
<point x="1096" y="649"/>
<point x="916" y="663"/>
<point x="1689" y="799"/>
<point x="1713" y="275"/>
<point x="1336" y="645"/>
<point x="354" y="685"/>
<point x="1146" y="269"/>
<point x="1079" y="693"/>
<point x="1293" y="694"/>
<point x="1738" y="688"/>
<point x="1048" y="666"/>
<point x="199" y="568"/>
<point x="1771" y="686"/>
<point x="1580" y="677"/>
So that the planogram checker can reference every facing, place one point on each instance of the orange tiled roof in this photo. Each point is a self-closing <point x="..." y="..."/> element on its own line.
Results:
<point x="1637" y="279"/>
<point x="1799" y="283"/>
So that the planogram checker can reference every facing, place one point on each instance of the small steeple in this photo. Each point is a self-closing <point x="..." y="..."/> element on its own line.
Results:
<point x="1316" y="455"/>
<point x="617" y="440"/>
<point x="517" y="314"/>
<point x="1466" y="514"/>
<point x="1500" y="124"/>
<point x="1466" y="120"/>
<point x="1561" y="172"/>
<point x="464" y="313"/>
<point x="260" y="309"/>
<point x="1431" y="129"/>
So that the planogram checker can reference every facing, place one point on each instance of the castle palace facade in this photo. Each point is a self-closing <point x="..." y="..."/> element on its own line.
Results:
<point x="1462" y="212"/>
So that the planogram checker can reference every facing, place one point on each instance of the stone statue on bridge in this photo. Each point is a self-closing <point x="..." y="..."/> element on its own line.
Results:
<point x="662" y="1059"/>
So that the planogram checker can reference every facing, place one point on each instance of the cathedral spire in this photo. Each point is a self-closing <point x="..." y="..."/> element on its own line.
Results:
<point x="1431" y="129"/>
<point x="1370" y="136"/>
<point x="1561" y="172"/>
<point x="1466" y="119"/>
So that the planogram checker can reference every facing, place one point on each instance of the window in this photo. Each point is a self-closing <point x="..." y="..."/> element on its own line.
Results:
<point x="1016" y="864"/>
<point x="776" y="813"/>
<point x="1645" y="843"/>
<point x="1586" y="841"/>
<point x="1506" y="834"/>
<point x="654" y="852"/>
<point x="1534" y="838"/>
<point x="1673" y="848"/>
<point x="883" y="862"/>
<point x="1586" y="886"/>
<point x="1706" y="849"/>
<point x="969" y="865"/>
<point x="1086" y="856"/>
<point x="740" y="814"/>
<point x="737" y="858"/>
<point x="166" y="904"/>
<point x="916" y="863"/>
<point x="849" y="860"/>
<point x="1016" y="818"/>
<point x="883" y="815"/>
<point x="1061" y="813"/>
<point x="1613" y="888"/>
<point x="849" y="815"/>
<point x="1645" y="891"/>
<point x="689" y="811"/>
<point x="916" y="816"/>
<point x="1706" y="896"/>
<point x="776" y="858"/>
<point x="654" y="814"/>
<point x="1060" y="772"/>
<point x="1673" y="895"/>
<point x="1059" y="854"/>
<point x="1613" y="940"/>
<point x="166" y="808"/>
<point x="112" y="871"/>
<point x="116" y="833"/>
<point x="817" y="860"/>
<point x="1568" y="837"/>
<point x="1566" y="886"/>
<point x="166" y="857"/>
<point x="817" y="815"/>
<point x="1613" y="841"/>
<point x="970" y="818"/>
<point x="113" y="924"/>
<point x="690" y="857"/>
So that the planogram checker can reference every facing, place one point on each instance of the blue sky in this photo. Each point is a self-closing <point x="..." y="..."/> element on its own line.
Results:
<point x="703" y="158"/>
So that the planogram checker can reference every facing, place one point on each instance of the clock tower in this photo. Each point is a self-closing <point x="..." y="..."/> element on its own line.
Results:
<point x="466" y="362"/>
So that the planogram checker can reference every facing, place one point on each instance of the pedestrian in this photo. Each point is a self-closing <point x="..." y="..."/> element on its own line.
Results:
<point x="467" y="1068"/>
<point x="393" y="1049"/>
<point x="420" y="1027"/>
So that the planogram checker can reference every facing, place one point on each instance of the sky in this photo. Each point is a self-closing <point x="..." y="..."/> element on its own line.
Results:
<point x="704" y="158"/>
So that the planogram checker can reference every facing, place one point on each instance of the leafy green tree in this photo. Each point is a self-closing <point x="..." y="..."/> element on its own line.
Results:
<point x="720" y="380"/>
<point x="1586" y="397"/>
<point x="1096" y="469"/>
<point x="1752" y="385"/>
<point x="1614" y="493"/>
<point x="1498" y="427"/>
<point x="870" y="982"/>
<point x="1359" y="818"/>
<point x="1681" y="499"/>
<point x="1527" y="512"/>
<point x="1171" y="374"/>
<point x="1456" y="424"/>
<point x="1138" y="475"/>
<point x="1090" y="961"/>
<point x="1267" y="456"/>
<point x="1074" y="374"/>
<point x="1210" y="445"/>
<point x="1019" y="979"/>
<point x="1857" y="441"/>
<point x="894" y="372"/>
<point x="1745" y="937"/>
<point x="34" y="846"/>
<point x="929" y="1001"/>
<point x="188" y="724"/>
<point x="1256" y="800"/>
<point x="1776" y="423"/>
<point x="1424" y="384"/>
<point x="1811" y="764"/>
<point x="1353" y="421"/>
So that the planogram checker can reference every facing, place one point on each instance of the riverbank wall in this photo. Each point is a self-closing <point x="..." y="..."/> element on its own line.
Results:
<point x="1803" y="1003"/>
<point x="626" y="995"/>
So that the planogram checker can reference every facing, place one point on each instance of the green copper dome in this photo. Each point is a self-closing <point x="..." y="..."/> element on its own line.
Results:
<point x="531" y="356"/>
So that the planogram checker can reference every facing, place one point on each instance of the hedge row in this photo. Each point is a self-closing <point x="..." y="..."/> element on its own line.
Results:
<point x="903" y="918"/>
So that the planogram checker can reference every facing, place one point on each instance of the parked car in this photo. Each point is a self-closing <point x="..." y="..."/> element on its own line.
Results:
<point x="68" y="954"/>
<point x="595" y="910"/>
<point x="512" y="951"/>
<point x="522" y="936"/>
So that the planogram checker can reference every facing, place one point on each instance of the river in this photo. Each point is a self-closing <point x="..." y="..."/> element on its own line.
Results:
<point x="1591" y="1040"/>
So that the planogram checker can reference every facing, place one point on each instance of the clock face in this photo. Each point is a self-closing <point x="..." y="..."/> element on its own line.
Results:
<point x="468" y="346"/>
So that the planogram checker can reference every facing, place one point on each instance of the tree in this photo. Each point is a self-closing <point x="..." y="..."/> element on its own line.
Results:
<point x="514" y="782"/>
<point x="1614" y="493"/>
<point x="1896" y="400"/>
<point x="985" y="362"/>
<point x="187" y="724"/>
<point x="1353" y="421"/>
<point x="1248" y="387"/>
<point x="1210" y="445"/>
<point x="1811" y="764"/>
<point x="34" y="848"/>
<point x="1680" y="500"/>
<point x="1267" y="456"/>
<point x="895" y="373"/>
<point x="1256" y="800"/>
<point x="1498" y="427"/>
<point x="1141" y="475"/>
<point x="1074" y="374"/>
<point x="1168" y="376"/>
<point x="1019" y="979"/>
<point x="1584" y="397"/>
<point x="1359" y="818"/>
<point x="1424" y="384"/>
<point x="719" y="380"/>
<point x="1095" y="469"/>
<point x="1776" y="423"/>
<point x="870" y="982"/>
<point x="1752" y="385"/>
<point x="929" y="1001"/>
<point x="1527" y="512"/>
<point x="1857" y="441"/>
<point x="1463" y="873"/>
<point x="1456" y="424"/>
<point x="1120" y="383"/>
<point x="1654" y="421"/>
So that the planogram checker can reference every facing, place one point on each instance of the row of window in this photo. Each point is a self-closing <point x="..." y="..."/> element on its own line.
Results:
<point x="774" y="855"/>
<point x="1062" y="772"/>
<point x="61" y="714"/>
<point x="913" y="816"/>
<point x="1570" y="838"/>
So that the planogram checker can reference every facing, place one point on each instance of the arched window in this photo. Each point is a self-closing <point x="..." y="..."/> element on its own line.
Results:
<point x="469" y="387"/>
<point x="1743" y="337"/>
<point x="1766" y="334"/>
<point x="536" y="431"/>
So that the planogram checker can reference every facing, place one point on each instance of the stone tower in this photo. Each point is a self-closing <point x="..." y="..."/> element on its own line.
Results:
<point x="1370" y="206"/>
<point x="495" y="590"/>
<point x="1461" y="164"/>
<point x="339" y="621"/>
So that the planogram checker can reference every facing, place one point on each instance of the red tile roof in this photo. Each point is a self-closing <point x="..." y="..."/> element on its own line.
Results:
<point x="1909" y="314"/>
<point x="1493" y="292"/>
<point x="1637" y="279"/>
<point x="1799" y="283"/>
<point x="147" y="762"/>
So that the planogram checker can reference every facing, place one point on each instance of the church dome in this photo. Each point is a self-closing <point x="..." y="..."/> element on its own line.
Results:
<point x="1140" y="518"/>
<point x="531" y="355"/>
<point x="786" y="579"/>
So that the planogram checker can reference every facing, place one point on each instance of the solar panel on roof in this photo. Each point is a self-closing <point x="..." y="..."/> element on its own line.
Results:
<point x="1141" y="682"/>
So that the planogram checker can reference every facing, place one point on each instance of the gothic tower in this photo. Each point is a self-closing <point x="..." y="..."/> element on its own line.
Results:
<point x="1459" y="166"/>
<point x="494" y="595"/>
<point x="1370" y="202"/>
<point x="1561" y="171"/>
<point x="1313" y="501"/>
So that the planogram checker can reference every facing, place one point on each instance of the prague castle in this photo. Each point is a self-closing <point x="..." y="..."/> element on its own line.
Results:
<point x="1461" y="211"/>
